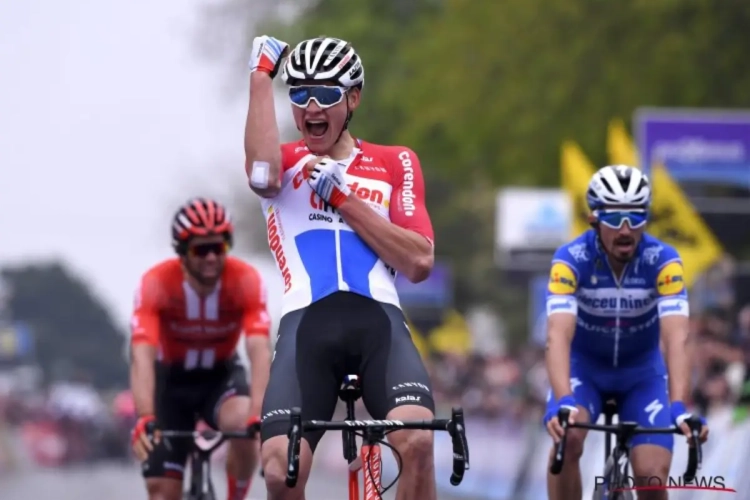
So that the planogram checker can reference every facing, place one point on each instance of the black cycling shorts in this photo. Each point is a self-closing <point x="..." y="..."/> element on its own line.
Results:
<point x="342" y="334"/>
<point x="182" y="398"/>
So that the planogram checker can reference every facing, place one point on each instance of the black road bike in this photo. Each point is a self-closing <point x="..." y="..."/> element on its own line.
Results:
<point x="200" y="486"/>
<point x="616" y="485"/>
<point x="373" y="434"/>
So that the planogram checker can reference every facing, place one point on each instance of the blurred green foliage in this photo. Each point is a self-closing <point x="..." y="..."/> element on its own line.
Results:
<point x="485" y="92"/>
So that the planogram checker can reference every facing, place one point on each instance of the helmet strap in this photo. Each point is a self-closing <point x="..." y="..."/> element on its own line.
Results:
<point x="349" y="114"/>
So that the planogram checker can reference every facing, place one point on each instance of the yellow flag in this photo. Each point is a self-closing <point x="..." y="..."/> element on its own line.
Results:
<point x="674" y="220"/>
<point x="419" y="341"/>
<point x="576" y="174"/>
<point x="620" y="148"/>
<point x="453" y="336"/>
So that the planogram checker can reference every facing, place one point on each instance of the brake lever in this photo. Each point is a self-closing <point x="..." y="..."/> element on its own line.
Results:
<point x="457" y="431"/>
<point x="557" y="460"/>
<point x="295" y="438"/>
<point x="695" y="453"/>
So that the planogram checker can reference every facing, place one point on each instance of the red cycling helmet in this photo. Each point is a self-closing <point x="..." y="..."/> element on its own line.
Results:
<point x="200" y="217"/>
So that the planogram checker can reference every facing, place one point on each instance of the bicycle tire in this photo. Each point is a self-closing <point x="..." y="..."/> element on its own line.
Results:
<point x="601" y="492"/>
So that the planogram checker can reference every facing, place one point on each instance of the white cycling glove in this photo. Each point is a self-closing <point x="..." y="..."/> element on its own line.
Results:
<point x="267" y="55"/>
<point x="327" y="180"/>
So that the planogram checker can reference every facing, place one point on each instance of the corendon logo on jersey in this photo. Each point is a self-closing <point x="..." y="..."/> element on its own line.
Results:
<point x="274" y="242"/>
<point x="375" y="196"/>
<point x="407" y="191"/>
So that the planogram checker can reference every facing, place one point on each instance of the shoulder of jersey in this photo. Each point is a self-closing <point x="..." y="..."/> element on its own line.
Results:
<point x="166" y="270"/>
<point x="292" y="152"/>
<point x="654" y="252"/>
<point x="383" y="149"/>
<point x="240" y="272"/>
<point x="579" y="251"/>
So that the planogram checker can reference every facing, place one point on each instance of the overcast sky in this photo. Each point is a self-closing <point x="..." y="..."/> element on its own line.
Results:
<point x="108" y="119"/>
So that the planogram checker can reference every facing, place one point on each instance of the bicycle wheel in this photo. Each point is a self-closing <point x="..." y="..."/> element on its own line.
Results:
<point x="603" y="492"/>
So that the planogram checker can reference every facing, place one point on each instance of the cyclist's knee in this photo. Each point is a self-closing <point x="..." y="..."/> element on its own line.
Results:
<point x="163" y="489"/>
<point x="233" y="414"/>
<point x="574" y="444"/>
<point x="415" y="448"/>
<point x="651" y="462"/>
<point x="275" y="463"/>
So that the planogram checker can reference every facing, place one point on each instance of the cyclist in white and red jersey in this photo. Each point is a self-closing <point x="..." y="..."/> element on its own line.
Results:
<point x="343" y="217"/>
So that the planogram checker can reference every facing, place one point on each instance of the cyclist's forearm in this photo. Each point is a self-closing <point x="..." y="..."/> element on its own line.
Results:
<point x="262" y="143"/>
<point x="143" y="378"/>
<point x="677" y="356"/>
<point x="259" y="355"/>
<point x="407" y="252"/>
<point x="557" y="358"/>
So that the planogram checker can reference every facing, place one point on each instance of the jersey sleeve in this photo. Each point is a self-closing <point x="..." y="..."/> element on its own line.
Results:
<point x="671" y="291"/>
<point x="255" y="320"/>
<point x="564" y="277"/>
<point x="407" y="204"/>
<point x="144" y="322"/>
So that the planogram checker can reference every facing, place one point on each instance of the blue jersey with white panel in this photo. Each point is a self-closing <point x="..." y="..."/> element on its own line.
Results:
<point x="617" y="319"/>
<point x="615" y="351"/>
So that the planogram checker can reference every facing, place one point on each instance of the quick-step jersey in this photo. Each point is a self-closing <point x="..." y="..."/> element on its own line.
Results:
<point x="617" y="321"/>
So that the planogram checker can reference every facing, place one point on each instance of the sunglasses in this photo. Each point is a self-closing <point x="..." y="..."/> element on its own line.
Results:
<point x="324" y="96"/>
<point x="616" y="218"/>
<point x="208" y="248"/>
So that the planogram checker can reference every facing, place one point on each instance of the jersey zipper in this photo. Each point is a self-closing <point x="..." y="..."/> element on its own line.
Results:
<point x="618" y="282"/>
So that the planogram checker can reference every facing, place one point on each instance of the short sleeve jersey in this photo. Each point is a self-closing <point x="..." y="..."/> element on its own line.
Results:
<point x="315" y="250"/>
<point x="617" y="321"/>
<point x="195" y="332"/>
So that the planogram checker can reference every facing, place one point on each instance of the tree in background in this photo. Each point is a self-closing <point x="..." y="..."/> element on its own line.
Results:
<point x="485" y="92"/>
<point x="74" y="332"/>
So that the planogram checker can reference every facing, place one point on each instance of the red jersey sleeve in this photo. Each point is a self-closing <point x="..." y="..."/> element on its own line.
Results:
<point x="144" y="322"/>
<point x="408" y="209"/>
<point x="255" y="320"/>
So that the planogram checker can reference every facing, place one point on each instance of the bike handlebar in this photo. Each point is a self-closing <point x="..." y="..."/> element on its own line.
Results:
<point x="207" y="434"/>
<point x="627" y="429"/>
<point x="455" y="427"/>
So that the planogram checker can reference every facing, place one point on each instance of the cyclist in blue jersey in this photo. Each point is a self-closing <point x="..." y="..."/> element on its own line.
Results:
<point x="615" y="294"/>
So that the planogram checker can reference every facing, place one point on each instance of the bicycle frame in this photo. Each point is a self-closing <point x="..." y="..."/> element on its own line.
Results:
<point x="369" y="461"/>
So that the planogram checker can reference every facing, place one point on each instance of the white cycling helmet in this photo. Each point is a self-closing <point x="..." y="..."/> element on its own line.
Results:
<point x="324" y="59"/>
<point x="619" y="185"/>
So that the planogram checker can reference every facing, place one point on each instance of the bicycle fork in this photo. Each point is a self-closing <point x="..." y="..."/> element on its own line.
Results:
<point x="369" y="460"/>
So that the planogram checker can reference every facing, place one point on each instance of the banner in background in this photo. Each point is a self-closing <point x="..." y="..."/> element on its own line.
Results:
<point x="528" y="218"/>
<point x="537" y="309"/>
<point x="705" y="146"/>
<point x="435" y="291"/>
<point x="674" y="220"/>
